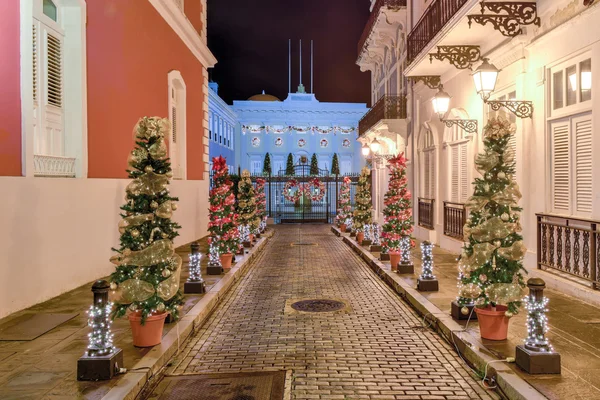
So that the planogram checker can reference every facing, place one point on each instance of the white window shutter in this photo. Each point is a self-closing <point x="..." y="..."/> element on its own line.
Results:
<point x="54" y="70"/>
<point x="455" y="173"/>
<point x="582" y="128"/>
<point x="560" y="166"/>
<point x="432" y="174"/>
<point x="464" y="183"/>
<point x="35" y="62"/>
<point x="426" y="182"/>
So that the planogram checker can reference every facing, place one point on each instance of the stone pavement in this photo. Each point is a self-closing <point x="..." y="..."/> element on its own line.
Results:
<point x="375" y="349"/>
<point x="45" y="368"/>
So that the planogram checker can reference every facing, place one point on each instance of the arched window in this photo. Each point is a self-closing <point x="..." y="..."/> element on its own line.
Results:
<point x="177" y="116"/>
<point x="428" y="164"/>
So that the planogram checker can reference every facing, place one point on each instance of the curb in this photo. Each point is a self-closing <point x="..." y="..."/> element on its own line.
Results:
<point x="130" y="385"/>
<point x="470" y="346"/>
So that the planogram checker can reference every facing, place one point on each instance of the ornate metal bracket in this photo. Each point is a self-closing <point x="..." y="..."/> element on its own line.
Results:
<point x="508" y="17"/>
<point x="588" y="2"/>
<point x="522" y="109"/>
<point x="468" y="125"/>
<point x="462" y="57"/>
<point x="432" y="81"/>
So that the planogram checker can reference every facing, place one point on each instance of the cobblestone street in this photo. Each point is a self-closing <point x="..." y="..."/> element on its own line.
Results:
<point x="375" y="348"/>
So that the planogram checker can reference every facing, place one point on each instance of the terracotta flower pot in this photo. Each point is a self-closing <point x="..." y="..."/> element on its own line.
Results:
<point x="149" y="334"/>
<point x="226" y="259"/>
<point x="359" y="237"/>
<point x="493" y="324"/>
<point x="343" y="227"/>
<point x="394" y="259"/>
<point x="251" y="238"/>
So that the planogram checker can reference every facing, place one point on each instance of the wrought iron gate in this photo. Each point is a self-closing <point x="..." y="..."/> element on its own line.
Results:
<point x="305" y="208"/>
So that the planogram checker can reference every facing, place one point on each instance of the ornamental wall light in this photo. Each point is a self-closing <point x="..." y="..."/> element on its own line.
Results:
<point x="441" y="103"/>
<point x="484" y="78"/>
<point x="365" y="150"/>
<point x="375" y="146"/>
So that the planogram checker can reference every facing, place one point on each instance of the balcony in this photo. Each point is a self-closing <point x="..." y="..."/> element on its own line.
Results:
<point x="426" y="212"/>
<point x="455" y="216"/>
<point x="435" y="17"/>
<point x="389" y="107"/>
<point x="53" y="166"/>
<point x="393" y="5"/>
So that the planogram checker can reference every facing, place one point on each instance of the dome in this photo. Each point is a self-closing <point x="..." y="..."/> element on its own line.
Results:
<point x="263" y="97"/>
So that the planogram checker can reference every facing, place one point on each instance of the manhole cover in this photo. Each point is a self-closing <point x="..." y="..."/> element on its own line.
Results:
<point x="242" y="386"/>
<point x="303" y="244"/>
<point x="318" y="305"/>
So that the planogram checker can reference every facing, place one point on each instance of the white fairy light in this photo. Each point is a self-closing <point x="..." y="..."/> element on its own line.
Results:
<point x="100" y="339"/>
<point x="194" y="266"/>
<point x="537" y="324"/>
<point x="405" y="250"/>
<point x="214" y="259"/>
<point x="349" y="224"/>
<point x="376" y="234"/>
<point x="427" y="260"/>
<point x="367" y="231"/>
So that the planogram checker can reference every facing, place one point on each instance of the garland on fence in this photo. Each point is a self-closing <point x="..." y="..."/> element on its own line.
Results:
<point x="278" y="129"/>
<point x="315" y="190"/>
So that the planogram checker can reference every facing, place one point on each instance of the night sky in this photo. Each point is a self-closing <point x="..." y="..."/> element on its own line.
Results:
<point x="250" y="41"/>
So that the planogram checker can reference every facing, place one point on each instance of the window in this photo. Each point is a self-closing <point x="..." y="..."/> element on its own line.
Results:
<point x="256" y="167"/>
<point x="428" y="149"/>
<point x="210" y="125"/>
<point x="572" y="162"/>
<point x="457" y="152"/>
<point x="571" y="85"/>
<point x="177" y="116"/>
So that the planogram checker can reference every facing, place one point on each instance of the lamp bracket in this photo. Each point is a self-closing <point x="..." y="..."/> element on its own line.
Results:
<point x="468" y="125"/>
<point x="431" y="81"/>
<point x="522" y="109"/>
<point x="508" y="16"/>
<point x="462" y="57"/>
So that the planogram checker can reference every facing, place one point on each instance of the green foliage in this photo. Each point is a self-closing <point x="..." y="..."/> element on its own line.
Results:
<point x="289" y="168"/>
<point x="335" y="165"/>
<point x="147" y="224"/>
<point x="363" y="207"/>
<point x="222" y="213"/>
<point x="398" y="210"/>
<point x="314" y="165"/>
<point x="267" y="165"/>
<point x="246" y="205"/>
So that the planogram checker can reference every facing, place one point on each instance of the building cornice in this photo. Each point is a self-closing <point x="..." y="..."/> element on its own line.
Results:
<point x="185" y="30"/>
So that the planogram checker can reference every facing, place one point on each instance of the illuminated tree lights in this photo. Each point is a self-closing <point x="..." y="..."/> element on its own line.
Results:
<point x="100" y="339"/>
<point x="247" y="206"/>
<point x="223" y="219"/>
<point x="427" y="281"/>
<point x="537" y="324"/>
<point x="344" y="211"/>
<point x="363" y="207"/>
<point x="376" y="234"/>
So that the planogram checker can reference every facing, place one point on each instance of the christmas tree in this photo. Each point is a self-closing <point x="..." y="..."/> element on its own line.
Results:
<point x="397" y="213"/>
<point x="344" y="208"/>
<point x="147" y="272"/>
<point x="335" y="165"/>
<point x="222" y="224"/>
<point x="267" y="165"/>
<point x="289" y="168"/>
<point x="248" y="217"/>
<point x="261" y="203"/>
<point x="314" y="165"/>
<point x="363" y="206"/>
<point x="491" y="262"/>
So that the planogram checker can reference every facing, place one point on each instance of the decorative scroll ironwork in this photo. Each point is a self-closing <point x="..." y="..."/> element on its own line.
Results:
<point x="462" y="57"/>
<point x="435" y="17"/>
<point x="387" y="107"/>
<point x="426" y="213"/>
<point x="432" y="81"/>
<point x="573" y="241"/>
<point x="522" y="109"/>
<point x="390" y="5"/>
<point x="454" y="219"/>
<point x="468" y="125"/>
<point x="508" y="17"/>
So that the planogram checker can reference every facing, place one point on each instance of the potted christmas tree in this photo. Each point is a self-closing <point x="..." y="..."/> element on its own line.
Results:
<point x="222" y="224"/>
<point x="490" y="267"/>
<point x="261" y="205"/>
<point x="397" y="226"/>
<point x="247" y="218"/>
<point x="267" y="165"/>
<point x="344" y="207"/>
<point x="335" y="165"/>
<point x="289" y="166"/>
<point x="146" y="280"/>
<point x="363" y="206"/>
<point x="314" y="165"/>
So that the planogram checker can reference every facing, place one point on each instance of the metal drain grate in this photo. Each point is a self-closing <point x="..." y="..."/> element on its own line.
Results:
<point x="303" y="244"/>
<point x="242" y="386"/>
<point x="318" y="305"/>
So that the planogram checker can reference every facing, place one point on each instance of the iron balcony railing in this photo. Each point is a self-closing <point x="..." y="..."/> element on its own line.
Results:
<point x="455" y="216"/>
<point x="435" y="17"/>
<point x="426" y="211"/>
<point x="569" y="245"/>
<point x="387" y="107"/>
<point x="390" y="4"/>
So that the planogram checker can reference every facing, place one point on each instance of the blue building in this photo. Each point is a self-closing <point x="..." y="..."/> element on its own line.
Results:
<point x="300" y="125"/>
<point x="223" y="127"/>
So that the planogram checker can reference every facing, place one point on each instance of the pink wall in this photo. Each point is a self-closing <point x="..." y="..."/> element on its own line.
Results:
<point x="10" y="90"/>
<point x="131" y="49"/>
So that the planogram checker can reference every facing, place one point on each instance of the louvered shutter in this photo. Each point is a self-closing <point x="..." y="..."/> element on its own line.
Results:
<point x="426" y="176"/>
<point x="35" y="62"/>
<point x="560" y="166"/>
<point x="54" y="70"/>
<point x="582" y="134"/>
<point x="432" y="174"/>
<point x="464" y="183"/>
<point x="174" y="123"/>
<point x="455" y="173"/>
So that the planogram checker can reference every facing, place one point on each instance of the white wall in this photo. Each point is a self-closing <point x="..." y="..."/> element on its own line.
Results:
<point x="59" y="232"/>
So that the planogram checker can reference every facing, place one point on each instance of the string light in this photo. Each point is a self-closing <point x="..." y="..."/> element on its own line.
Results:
<point x="349" y="224"/>
<point x="427" y="261"/>
<point x="367" y="232"/>
<point x="100" y="339"/>
<point x="537" y="324"/>
<point x="194" y="266"/>
<point x="376" y="233"/>
<point x="405" y="250"/>
<point x="214" y="259"/>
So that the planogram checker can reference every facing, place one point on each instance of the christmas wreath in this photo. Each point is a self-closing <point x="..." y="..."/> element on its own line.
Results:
<point x="288" y="192"/>
<point x="315" y="190"/>
<point x="317" y="185"/>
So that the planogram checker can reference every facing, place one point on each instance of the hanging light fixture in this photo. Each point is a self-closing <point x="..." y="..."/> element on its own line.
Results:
<point x="441" y="102"/>
<point x="365" y="150"/>
<point x="485" y="77"/>
<point x="375" y="146"/>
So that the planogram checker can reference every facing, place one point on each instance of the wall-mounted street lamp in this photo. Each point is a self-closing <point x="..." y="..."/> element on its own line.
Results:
<point x="375" y="146"/>
<point x="365" y="150"/>
<point x="441" y="103"/>
<point x="485" y="77"/>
